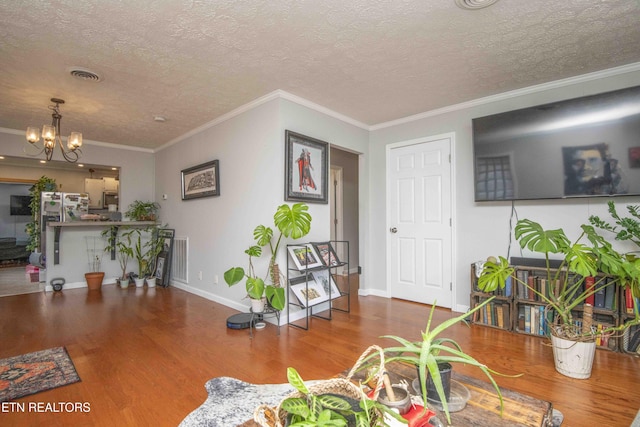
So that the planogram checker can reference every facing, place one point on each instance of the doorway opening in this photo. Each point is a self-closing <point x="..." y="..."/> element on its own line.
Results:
<point x="344" y="204"/>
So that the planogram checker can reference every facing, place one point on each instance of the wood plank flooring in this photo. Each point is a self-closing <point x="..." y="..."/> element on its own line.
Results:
<point x="15" y="281"/>
<point x="144" y="355"/>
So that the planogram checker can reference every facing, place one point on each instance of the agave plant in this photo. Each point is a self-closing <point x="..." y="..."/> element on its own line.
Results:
<point x="433" y="350"/>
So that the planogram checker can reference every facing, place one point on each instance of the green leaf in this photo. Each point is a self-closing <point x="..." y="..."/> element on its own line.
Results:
<point x="314" y="405"/>
<point x="262" y="235"/>
<point x="531" y="235"/>
<point x="294" y="221"/>
<point x="296" y="406"/>
<point x="275" y="296"/>
<point x="296" y="381"/>
<point x="254" y="251"/>
<point x="334" y="402"/>
<point x="362" y="420"/>
<point x="581" y="259"/>
<point x="494" y="276"/>
<point x="233" y="275"/>
<point x="255" y="287"/>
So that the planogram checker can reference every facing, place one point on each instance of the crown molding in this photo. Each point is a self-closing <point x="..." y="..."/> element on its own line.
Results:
<point x="611" y="72"/>
<point x="276" y="94"/>
<point x="319" y="108"/>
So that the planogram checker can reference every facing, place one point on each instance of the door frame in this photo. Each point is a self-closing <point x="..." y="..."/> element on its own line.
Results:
<point x="388" y="256"/>
<point x="336" y="205"/>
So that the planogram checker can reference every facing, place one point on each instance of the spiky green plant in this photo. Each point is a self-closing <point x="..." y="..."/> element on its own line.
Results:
<point x="433" y="350"/>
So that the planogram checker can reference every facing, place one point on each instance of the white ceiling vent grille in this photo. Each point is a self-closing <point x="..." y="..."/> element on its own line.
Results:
<point x="85" y="74"/>
<point x="474" y="4"/>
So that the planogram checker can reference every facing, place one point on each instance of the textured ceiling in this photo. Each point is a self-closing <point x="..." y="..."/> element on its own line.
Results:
<point x="373" y="61"/>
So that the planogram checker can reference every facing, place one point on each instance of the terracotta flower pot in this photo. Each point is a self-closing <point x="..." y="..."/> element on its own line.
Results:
<point x="94" y="280"/>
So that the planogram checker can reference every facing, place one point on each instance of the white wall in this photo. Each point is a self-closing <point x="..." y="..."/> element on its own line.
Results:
<point x="250" y="147"/>
<point x="481" y="229"/>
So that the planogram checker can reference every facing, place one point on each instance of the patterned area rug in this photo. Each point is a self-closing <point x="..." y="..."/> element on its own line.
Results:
<point x="35" y="372"/>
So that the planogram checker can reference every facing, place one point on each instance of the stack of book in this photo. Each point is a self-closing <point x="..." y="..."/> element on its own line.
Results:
<point x="533" y="319"/>
<point x="496" y="313"/>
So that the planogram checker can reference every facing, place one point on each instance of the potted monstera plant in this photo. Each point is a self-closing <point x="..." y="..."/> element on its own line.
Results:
<point x="291" y="222"/>
<point x="589" y="258"/>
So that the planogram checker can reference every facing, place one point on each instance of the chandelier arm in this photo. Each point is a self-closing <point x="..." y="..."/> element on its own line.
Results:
<point x="40" y="150"/>
<point x="71" y="156"/>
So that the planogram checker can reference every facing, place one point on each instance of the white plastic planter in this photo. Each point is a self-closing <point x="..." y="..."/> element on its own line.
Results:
<point x="572" y="358"/>
<point x="257" y="305"/>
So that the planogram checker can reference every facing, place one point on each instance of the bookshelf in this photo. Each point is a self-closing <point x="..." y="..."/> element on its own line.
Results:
<point x="533" y="318"/>
<point x="529" y="315"/>
<point x="630" y="341"/>
<point x="496" y="314"/>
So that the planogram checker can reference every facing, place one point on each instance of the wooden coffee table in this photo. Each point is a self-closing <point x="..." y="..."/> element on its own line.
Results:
<point x="483" y="407"/>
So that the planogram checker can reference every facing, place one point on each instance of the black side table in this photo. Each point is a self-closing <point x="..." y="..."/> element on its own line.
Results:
<point x="259" y="316"/>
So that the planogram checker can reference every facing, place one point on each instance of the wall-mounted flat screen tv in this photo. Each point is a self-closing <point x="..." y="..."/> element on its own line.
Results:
<point x="19" y="205"/>
<point x="583" y="147"/>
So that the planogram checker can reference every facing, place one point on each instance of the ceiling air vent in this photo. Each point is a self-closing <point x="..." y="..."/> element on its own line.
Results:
<point x="85" y="74"/>
<point x="474" y="4"/>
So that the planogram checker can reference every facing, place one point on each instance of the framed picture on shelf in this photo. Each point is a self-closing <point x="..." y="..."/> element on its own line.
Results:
<point x="327" y="254"/>
<point x="306" y="169"/>
<point x="325" y="279"/>
<point x="163" y="261"/>
<point x="304" y="257"/>
<point x="307" y="291"/>
<point x="201" y="181"/>
<point x="160" y="268"/>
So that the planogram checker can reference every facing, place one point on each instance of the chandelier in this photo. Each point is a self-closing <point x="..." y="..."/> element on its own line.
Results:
<point x="51" y="136"/>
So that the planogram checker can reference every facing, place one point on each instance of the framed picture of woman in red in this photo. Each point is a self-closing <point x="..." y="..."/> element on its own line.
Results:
<point x="307" y="168"/>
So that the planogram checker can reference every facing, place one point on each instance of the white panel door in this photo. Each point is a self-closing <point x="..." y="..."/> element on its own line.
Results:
<point x="420" y="235"/>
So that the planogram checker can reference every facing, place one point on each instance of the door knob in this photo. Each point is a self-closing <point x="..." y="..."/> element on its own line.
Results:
<point x="393" y="230"/>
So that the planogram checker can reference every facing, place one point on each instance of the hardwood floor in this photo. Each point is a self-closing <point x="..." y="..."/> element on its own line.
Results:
<point x="15" y="281"/>
<point x="144" y="355"/>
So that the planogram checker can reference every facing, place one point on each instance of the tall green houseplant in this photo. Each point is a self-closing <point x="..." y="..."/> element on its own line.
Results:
<point x="34" y="227"/>
<point x="122" y="243"/>
<point x="147" y="245"/>
<point x="292" y="222"/>
<point x="590" y="255"/>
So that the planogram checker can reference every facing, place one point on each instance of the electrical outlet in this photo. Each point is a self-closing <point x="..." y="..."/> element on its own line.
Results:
<point x="215" y="279"/>
<point x="199" y="275"/>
